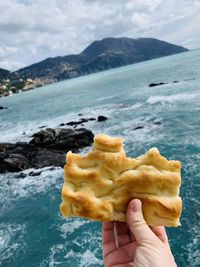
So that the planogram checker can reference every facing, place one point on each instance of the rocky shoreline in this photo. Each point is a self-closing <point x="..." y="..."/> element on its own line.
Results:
<point x="47" y="148"/>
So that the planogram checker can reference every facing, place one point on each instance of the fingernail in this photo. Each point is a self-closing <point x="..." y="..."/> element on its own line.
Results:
<point x="136" y="205"/>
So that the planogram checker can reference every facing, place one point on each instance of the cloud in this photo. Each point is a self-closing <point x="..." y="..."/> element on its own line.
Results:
<point x="11" y="64"/>
<point x="31" y="30"/>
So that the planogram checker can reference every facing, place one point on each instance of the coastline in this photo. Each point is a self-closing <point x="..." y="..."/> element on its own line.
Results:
<point x="47" y="148"/>
<point x="9" y="87"/>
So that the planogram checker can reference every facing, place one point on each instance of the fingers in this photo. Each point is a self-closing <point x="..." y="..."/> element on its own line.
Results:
<point x="160" y="232"/>
<point x="121" y="234"/>
<point x="107" y="232"/>
<point x="108" y="238"/>
<point x="122" y="256"/>
<point x="137" y="224"/>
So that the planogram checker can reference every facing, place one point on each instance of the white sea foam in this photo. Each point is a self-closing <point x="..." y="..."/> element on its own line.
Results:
<point x="171" y="98"/>
<point x="23" y="131"/>
<point x="193" y="248"/>
<point x="85" y="259"/>
<point x="71" y="225"/>
<point x="106" y="97"/>
<point x="82" y="259"/>
<point x="132" y="107"/>
<point x="11" y="240"/>
<point x="51" y="261"/>
<point x="193" y="245"/>
<point x="106" y="110"/>
<point x="12" y="188"/>
<point x="150" y="131"/>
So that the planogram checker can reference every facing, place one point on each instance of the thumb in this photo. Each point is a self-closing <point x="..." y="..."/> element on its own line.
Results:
<point x="137" y="224"/>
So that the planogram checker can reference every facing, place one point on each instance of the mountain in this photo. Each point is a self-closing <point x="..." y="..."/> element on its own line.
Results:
<point x="4" y="74"/>
<point x="100" y="55"/>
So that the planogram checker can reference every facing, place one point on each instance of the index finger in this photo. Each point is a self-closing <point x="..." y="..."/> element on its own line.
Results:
<point x="160" y="232"/>
<point x="108" y="238"/>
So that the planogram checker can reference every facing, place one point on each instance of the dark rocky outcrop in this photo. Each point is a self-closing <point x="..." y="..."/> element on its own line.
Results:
<point x="161" y="83"/>
<point x="138" y="127"/>
<point x="156" y="84"/>
<point x="101" y="118"/>
<point x="48" y="147"/>
<point x="83" y="120"/>
<point x="2" y="107"/>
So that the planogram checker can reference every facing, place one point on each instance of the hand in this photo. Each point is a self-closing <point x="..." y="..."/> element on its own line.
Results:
<point x="137" y="244"/>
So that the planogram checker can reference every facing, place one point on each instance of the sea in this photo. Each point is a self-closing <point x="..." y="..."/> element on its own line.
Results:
<point x="32" y="231"/>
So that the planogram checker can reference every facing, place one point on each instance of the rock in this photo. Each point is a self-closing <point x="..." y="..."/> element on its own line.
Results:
<point x="156" y="84"/>
<point x="62" y="139"/>
<point x="34" y="173"/>
<point x="72" y="123"/>
<point x="46" y="157"/>
<point x="22" y="175"/>
<point x="43" y="137"/>
<point x="138" y="127"/>
<point x="101" y="118"/>
<point x="47" y="148"/>
<point x="42" y="127"/>
<point x="83" y="120"/>
<point x="21" y="143"/>
<point x="157" y="122"/>
<point x="62" y="124"/>
<point x="3" y="154"/>
<point x="3" y="107"/>
<point x="16" y="162"/>
<point x="80" y="114"/>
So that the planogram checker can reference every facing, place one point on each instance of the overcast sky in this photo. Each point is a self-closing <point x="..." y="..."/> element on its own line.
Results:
<point x="32" y="30"/>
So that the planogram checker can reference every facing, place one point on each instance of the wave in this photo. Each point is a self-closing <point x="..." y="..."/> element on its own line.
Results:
<point x="71" y="225"/>
<point x="106" y="97"/>
<point x="85" y="259"/>
<point x="193" y="251"/>
<point x="11" y="241"/>
<point x="83" y="249"/>
<point x="15" y="188"/>
<point x="23" y="131"/>
<point x="171" y="98"/>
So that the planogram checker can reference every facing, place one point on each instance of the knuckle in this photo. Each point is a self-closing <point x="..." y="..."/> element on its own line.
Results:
<point x="137" y="223"/>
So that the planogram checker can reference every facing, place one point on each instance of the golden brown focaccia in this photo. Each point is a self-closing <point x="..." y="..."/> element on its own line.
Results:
<point x="100" y="185"/>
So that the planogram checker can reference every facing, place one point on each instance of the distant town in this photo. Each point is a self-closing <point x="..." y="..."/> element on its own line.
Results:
<point x="9" y="87"/>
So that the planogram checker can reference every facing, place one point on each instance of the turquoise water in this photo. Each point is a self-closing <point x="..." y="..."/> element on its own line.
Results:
<point x="32" y="232"/>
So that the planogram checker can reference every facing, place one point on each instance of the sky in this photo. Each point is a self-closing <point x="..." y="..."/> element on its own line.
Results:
<point x="32" y="30"/>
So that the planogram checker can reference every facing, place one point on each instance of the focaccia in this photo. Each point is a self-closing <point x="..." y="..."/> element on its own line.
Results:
<point x="100" y="185"/>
